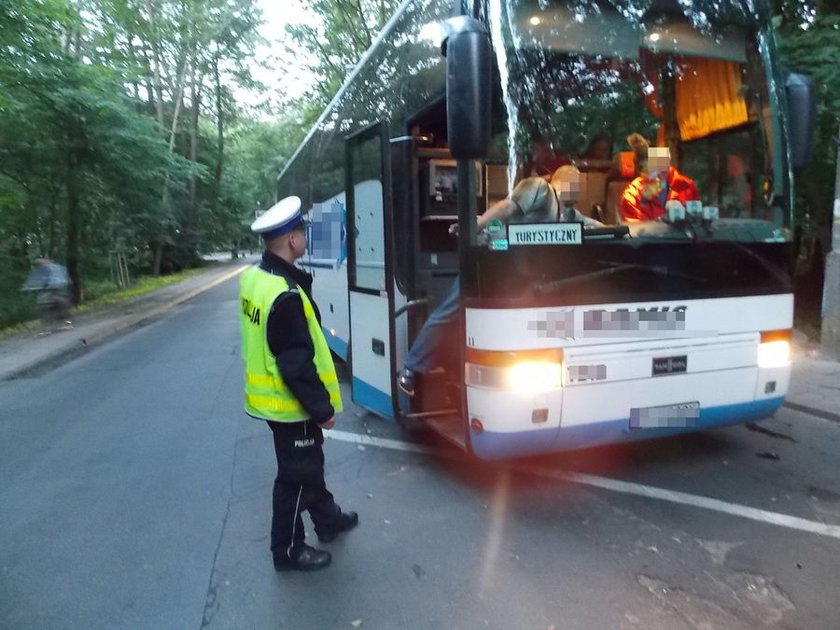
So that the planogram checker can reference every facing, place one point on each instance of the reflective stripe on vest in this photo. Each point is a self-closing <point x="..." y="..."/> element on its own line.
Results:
<point x="266" y="394"/>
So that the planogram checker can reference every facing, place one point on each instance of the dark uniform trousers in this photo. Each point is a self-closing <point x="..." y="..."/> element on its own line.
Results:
<point x="299" y="486"/>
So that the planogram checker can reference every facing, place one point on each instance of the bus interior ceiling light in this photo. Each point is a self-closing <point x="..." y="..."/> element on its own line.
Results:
<point x="534" y="376"/>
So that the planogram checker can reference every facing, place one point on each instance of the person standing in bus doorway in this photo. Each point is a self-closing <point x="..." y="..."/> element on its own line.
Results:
<point x="532" y="201"/>
<point x="645" y="197"/>
<point x="291" y="383"/>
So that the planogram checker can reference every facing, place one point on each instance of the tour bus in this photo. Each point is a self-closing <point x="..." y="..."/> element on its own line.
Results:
<point x="624" y="331"/>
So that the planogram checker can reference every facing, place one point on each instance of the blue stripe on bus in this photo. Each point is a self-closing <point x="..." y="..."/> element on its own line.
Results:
<point x="337" y="345"/>
<point x="493" y="445"/>
<point x="369" y="397"/>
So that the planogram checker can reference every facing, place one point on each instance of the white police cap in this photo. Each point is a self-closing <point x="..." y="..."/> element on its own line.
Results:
<point x="281" y="218"/>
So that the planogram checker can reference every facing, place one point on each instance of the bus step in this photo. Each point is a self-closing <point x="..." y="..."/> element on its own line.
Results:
<point x="424" y="415"/>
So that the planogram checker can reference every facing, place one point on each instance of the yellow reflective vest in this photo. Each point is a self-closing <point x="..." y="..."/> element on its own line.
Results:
<point x="266" y="395"/>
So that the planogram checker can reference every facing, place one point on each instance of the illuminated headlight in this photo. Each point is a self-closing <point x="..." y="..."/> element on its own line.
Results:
<point x="534" y="376"/>
<point x="773" y="354"/>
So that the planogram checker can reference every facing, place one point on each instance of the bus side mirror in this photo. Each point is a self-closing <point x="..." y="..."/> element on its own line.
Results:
<point x="802" y="112"/>
<point x="466" y="47"/>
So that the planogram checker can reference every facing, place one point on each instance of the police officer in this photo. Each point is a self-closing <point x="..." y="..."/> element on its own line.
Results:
<point x="291" y="383"/>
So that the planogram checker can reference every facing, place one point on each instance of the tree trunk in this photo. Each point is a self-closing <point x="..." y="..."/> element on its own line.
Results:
<point x="191" y="223"/>
<point x="132" y="57"/>
<point x="158" y="87"/>
<point x="179" y="100"/>
<point x="220" y="136"/>
<point x="73" y="220"/>
<point x="173" y="131"/>
<point x="158" y="260"/>
<point x="151" y="101"/>
<point x="51" y="228"/>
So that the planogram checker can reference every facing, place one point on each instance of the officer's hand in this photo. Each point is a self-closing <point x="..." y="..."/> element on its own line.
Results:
<point x="453" y="229"/>
<point x="329" y="424"/>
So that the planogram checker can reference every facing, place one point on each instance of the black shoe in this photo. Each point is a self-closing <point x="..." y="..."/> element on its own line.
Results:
<point x="308" y="559"/>
<point x="346" y="522"/>
<point x="405" y="381"/>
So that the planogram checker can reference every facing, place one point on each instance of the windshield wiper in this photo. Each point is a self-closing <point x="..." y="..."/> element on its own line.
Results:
<point x="614" y="268"/>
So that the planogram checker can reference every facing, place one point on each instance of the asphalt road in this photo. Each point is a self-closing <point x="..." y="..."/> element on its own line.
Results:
<point x="135" y="494"/>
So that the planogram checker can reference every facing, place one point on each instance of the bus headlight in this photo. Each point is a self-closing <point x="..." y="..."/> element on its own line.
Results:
<point x="773" y="354"/>
<point x="534" y="376"/>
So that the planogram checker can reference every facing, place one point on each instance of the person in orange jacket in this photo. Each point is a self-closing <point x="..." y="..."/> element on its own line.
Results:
<point x="645" y="197"/>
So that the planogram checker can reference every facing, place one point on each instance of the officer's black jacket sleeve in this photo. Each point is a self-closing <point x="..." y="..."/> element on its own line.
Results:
<point x="289" y="341"/>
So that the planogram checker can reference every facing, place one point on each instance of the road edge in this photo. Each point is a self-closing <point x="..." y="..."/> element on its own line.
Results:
<point x="71" y="348"/>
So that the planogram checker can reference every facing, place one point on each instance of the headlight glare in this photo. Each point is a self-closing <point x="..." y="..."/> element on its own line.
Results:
<point x="773" y="354"/>
<point x="534" y="376"/>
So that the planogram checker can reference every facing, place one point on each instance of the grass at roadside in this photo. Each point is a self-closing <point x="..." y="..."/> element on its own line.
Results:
<point x="106" y="293"/>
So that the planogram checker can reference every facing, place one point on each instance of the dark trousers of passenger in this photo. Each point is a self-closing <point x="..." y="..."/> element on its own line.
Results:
<point x="425" y="352"/>
<point x="299" y="486"/>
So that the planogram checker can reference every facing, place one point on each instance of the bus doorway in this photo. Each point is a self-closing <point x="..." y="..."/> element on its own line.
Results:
<point x="429" y="271"/>
<point x="369" y="274"/>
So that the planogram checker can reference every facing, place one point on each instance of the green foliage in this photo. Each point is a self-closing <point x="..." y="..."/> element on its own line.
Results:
<point x="15" y="306"/>
<point x="809" y="42"/>
<point x="333" y="42"/>
<point x="113" y="115"/>
<point x="257" y="151"/>
<point x="105" y="292"/>
<point x="808" y="34"/>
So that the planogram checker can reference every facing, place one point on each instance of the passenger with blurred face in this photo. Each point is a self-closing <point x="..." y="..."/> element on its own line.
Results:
<point x="568" y="182"/>
<point x="645" y="197"/>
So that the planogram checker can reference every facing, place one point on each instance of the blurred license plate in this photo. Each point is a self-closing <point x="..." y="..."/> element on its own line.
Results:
<point x="680" y="415"/>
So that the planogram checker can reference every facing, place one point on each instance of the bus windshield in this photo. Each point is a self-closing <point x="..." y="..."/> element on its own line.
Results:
<point x="645" y="104"/>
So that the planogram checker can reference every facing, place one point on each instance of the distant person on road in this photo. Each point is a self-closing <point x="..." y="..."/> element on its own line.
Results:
<point x="291" y="383"/>
<point x="51" y="284"/>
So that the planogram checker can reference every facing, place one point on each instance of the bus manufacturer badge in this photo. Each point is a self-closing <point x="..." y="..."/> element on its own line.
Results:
<point x="545" y="234"/>
<point x="670" y="365"/>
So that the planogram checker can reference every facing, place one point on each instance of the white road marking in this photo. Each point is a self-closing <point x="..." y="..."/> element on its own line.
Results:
<point x="735" y="509"/>
<point x="623" y="487"/>
<point x="367" y="440"/>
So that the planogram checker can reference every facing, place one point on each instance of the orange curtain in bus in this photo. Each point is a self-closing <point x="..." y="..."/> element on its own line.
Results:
<point x="709" y="97"/>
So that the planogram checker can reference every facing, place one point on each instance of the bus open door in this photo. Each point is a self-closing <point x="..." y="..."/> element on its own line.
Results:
<point x="369" y="271"/>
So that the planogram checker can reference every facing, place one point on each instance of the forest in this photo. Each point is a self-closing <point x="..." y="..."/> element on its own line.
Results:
<point x="126" y="144"/>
